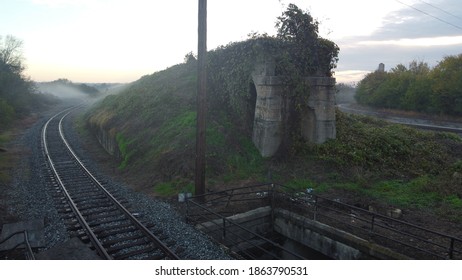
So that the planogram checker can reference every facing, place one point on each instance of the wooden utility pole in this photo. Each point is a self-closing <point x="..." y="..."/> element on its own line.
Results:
<point x="201" y="99"/>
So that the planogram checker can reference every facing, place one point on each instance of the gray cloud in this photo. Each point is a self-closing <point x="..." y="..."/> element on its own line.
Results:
<point x="368" y="57"/>
<point x="404" y="24"/>
<point x="409" y="23"/>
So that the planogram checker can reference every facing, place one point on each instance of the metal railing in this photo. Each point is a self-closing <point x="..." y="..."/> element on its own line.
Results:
<point x="29" y="254"/>
<point x="403" y="237"/>
<point x="213" y="214"/>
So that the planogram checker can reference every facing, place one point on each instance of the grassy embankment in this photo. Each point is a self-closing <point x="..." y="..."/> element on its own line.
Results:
<point x="5" y="158"/>
<point x="153" y="122"/>
<point x="396" y="164"/>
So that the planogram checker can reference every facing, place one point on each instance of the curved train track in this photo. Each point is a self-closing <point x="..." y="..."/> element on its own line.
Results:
<point x="91" y="212"/>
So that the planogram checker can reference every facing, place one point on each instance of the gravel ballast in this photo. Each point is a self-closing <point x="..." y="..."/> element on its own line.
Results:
<point x="32" y="198"/>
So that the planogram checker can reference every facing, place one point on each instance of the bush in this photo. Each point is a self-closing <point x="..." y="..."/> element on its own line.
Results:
<point x="391" y="149"/>
<point x="6" y="114"/>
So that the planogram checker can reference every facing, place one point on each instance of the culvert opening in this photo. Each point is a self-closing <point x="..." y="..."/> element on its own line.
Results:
<point x="241" y="219"/>
<point x="245" y="220"/>
<point x="267" y="251"/>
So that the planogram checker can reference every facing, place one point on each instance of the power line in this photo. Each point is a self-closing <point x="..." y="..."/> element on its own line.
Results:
<point x="446" y="12"/>
<point x="423" y="12"/>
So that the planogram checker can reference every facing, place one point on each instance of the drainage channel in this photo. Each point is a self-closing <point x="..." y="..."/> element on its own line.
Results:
<point x="247" y="220"/>
<point x="242" y="220"/>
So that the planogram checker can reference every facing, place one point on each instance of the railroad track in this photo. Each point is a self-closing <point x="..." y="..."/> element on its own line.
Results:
<point x="91" y="212"/>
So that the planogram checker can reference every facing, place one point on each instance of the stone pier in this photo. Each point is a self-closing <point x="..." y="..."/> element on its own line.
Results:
<point x="317" y="116"/>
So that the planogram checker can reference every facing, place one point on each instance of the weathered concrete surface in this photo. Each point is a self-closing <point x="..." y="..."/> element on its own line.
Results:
<point x="73" y="249"/>
<point x="317" y="116"/>
<point x="107" y="139"/>
<point x="327" y="240"/>
<point x="268" y="120"/>
<point x="257" y="220"/>
<point x="35" y="234"/>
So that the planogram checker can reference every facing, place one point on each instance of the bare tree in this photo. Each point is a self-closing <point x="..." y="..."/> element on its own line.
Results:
<point x="11" y="55"/>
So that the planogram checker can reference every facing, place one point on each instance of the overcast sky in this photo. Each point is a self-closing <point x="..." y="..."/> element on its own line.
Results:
<point x="122" y="40"/>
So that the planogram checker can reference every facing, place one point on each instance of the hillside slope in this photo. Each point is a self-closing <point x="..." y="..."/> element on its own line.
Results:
<point x="153" y="124"/>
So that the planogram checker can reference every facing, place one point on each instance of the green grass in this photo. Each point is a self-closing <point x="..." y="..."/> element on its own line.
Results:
<point x="126" y="153"/>
<point x="179" y="129"/>
<point x="154" y="121"/>
<point x="5" y="159"/>
<point x="389" y="149"/>
<point x="301" y="184"/>
<point x="388" y="163"/>
<point x="172" y="188"/>
<point x="155" y="128"/>
<point x="244" y="163"/>
<point x="412" y="194"/>
<point x="5" y="137"/>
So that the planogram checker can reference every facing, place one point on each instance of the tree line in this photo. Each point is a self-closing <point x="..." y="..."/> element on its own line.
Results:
<point x="418" y="87"/>
<point x="17" y="92"/>
<point x="18" y="96"/>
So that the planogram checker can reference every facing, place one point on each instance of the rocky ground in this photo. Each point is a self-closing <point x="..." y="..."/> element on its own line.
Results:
<point x="26" y="196"/>
<point x="420" y="217"/>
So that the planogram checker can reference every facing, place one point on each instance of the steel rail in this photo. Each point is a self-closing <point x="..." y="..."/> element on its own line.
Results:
<point x="155" y="241"/>
<point x="128" y="214"/>
<point x="29" y="253"/>
<point x="93" y="239"/>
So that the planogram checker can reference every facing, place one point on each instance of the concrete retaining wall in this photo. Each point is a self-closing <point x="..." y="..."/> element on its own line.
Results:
<point x="327" y="240"/>
<point x="107" y="139"/>
<point x="257" y="220"/>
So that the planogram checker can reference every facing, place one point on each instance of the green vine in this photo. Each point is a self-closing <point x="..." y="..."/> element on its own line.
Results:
<point x="297" y="51"/>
